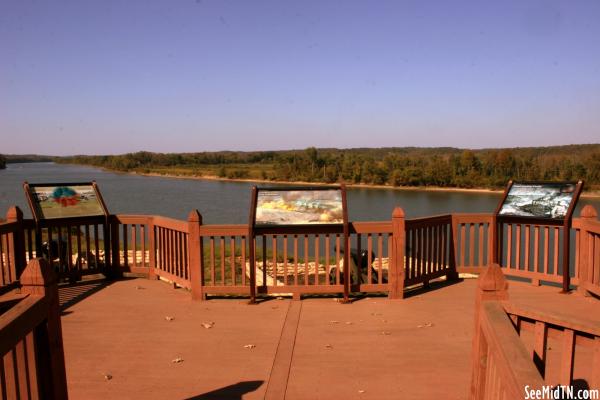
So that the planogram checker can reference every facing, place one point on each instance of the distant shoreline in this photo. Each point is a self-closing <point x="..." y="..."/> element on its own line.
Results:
<point x="593" y="194"/>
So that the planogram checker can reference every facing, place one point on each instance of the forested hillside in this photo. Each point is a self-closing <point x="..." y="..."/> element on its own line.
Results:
<point x="443" y="167"/>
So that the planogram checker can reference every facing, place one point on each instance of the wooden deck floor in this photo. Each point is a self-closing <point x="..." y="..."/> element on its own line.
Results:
<point x="374" y="348"/>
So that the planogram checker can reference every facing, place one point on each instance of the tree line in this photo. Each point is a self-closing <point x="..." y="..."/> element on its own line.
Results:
<point x="2" y="162"/>
<point x="442" y="167"/>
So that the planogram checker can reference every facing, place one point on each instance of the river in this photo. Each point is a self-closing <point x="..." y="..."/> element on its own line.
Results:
<point x="225" y="202"/>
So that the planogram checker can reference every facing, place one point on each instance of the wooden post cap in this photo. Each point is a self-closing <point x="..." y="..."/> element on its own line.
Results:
<point x="195" y="216"/>
<point x="493" y="280"/>
<point x="589" y="212"/>
<point x="398" y="213"/>
<point x="14" y="213"/>
<point x="38" y="273"/>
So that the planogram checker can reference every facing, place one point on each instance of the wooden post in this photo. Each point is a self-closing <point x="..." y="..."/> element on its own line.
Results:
<point x="396" y="274"/>
<point x="588" y="213"/>
<point x="452" y="274"/>
<point x="17" y="240"/>
<point x="491" y="285"/>
<point x="38" y="279"/>
<point x="195" y="254"/>
<point x="115" y="256"/>
<point x="346" y="229"/>
<point x="152" y="249"/>
<point x="252" y="245"/>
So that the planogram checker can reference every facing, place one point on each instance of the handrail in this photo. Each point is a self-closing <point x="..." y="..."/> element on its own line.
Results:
<point x="33" y="324"/>
<point x="562" y="320"/>
<point x="513" y="365"/>
<point x="138" y="242"/>
<point x="170" y="223"/>
<point x="18" y="320"/>
<point x="8" y="227"/>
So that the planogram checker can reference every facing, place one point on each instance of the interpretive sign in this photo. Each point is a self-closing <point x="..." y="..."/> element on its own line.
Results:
<point x="64" y="200"/>
<point x="539" y="200"/>
<point x="299" y="207"/>
<point x="297" y="210"/>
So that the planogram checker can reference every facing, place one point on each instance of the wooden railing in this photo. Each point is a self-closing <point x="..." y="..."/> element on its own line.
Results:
<point x="473" y="241"/>
<point x="218" y="255"/>
<point x="567" y="334"/>
<point x="511" y="344"/>
<point x="135" y="238"/>
<point x="501" y="365"/>
<point x="430" y="250"/>
<point x="73" y="249"/>
<point x="11" y="249"/>
<point x="504" y="368"/>
<point x="373" y="273"/>
<point x="31" y="338"/>
<point x="587" y="252"/>
<point x="533" y="251"/>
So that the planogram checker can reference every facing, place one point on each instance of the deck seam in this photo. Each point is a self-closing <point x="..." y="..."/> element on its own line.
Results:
<point x="280" y="371"/>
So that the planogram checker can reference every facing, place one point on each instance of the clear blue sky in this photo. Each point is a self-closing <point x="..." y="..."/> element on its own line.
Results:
<point x="109" y="77"/>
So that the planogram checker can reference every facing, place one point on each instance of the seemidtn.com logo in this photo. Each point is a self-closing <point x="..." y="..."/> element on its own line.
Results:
<point x="561" y="392"/>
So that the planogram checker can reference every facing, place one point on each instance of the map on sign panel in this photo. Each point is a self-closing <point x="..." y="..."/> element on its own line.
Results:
<point x="66" y="201"/>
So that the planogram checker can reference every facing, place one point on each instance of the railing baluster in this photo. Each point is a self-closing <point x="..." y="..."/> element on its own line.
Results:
<point x="527" y="245"/>
<point x="472" y="244"/>
<point x="509" y="240"/>
<point x="316" y="280"/>
<point x="78" y="259"/>
<point x="463" y="241"/>
<point x="285" y="260"/>
<point x="69" y="248"/>
<point x="480" y="240"/>
<point x="595" y="367"/>
<point x="125" y="247"/>
<point x="222" y="255"/>
<point x="295" y="259"/>
<point x="389" y="254"/>
<point x="518" y="264"/>
<point x="413" y="253"/>
<point x="274" y="251"/>
<point x="134" y="244"/>
<point x="243" y="261"/>
<point x="4" y="276"/>
<point x="30" y="243"/>
<point x="327" y="254"/>
<point x="546" y="249"/>
<point x="444" y="252"/>
<point x="264" y="260"/>
<point x="596" y="261"/>
<point x="97" y="247"/>
<point x="358" y="257"/>
<point x="555" y="258"/>
<point x="436" y="248"/>
<point x="337" y="259"/>
<point x="306" y="259"/>
<point x="143" y="243"/>
<point x="369" y="263"/>
<point x="212" y="261"/>
<point x="232" y="260"/>
<point x="568" y="353"/>
<point x="536" y="248"/>
<point x="380" y="252"/>
<point x="88" y="253"/>
<point x="539" y="346"/>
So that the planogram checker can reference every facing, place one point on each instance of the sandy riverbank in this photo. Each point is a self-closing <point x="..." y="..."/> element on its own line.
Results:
<point x="591" y="194"/>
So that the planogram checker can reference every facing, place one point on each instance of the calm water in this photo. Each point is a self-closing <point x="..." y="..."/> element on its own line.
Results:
<point x="225" y="202"/>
